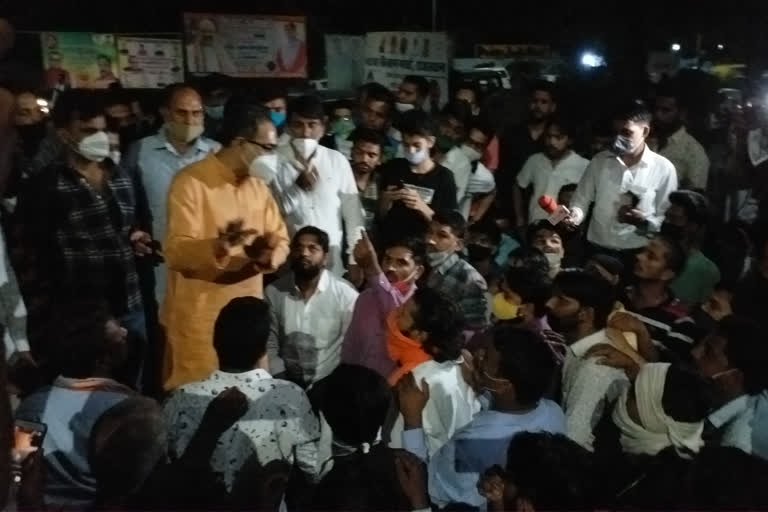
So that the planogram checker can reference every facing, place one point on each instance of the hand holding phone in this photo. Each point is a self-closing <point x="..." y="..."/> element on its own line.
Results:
<point x="28" y="437"/>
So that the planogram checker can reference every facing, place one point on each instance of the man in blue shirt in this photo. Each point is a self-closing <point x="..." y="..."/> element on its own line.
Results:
<point x="515" y="369"/>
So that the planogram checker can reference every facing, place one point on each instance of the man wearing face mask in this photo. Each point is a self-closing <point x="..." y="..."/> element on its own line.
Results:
<point x="215" y="95"/>
<point x="79" y="229"/>
<point x="734" y="357"/>
<point x="342" y="125"/>
<point x="414" y="187"/>
<point x="315" y="185"/>
<point x="579" y="310"/>
<point x="452" y="275"/>
<point x="452" y="126"/>
<point x="277" y="104"/>
<point x="686" y="220"/>
<point x="547" y="238"/>
<point x="629" y="186"/>
<point x="481" y="187"/>
<point x="155" y="160"/>
<point x="311" y="310"/>
<point x="483" y="241"/>
<point x="30" y="123"/>
<point x="224" y="232"/>
<point x="412" y="93"/>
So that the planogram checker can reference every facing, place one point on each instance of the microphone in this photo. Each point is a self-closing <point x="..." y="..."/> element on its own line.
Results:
<point x="556" y="212"/>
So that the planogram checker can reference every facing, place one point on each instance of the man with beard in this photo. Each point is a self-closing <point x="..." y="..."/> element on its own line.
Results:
<point x="547" y="172"/>
<point x="30" y="123"/>
<point x="517" y="143"/>
<point x="365" y="158"/>
<point x="311" y="310"/>
<point x="579" y="310"/>
<point x="675" y="143"/>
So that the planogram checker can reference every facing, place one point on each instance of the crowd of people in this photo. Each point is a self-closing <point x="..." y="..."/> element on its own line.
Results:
<point x="253" y="301"/>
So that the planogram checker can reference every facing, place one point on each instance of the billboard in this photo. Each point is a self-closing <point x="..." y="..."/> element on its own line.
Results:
<point x="79" y="59"/>
<point x="146" y="63"/>
<point x="246" y="46"/>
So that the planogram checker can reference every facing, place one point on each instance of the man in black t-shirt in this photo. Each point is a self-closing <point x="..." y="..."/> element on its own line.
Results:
<point x="414" y="187"/>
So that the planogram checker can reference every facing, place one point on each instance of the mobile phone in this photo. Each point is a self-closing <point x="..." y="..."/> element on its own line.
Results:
<point x="400" y="184"/>
<point x="28" y="437"/>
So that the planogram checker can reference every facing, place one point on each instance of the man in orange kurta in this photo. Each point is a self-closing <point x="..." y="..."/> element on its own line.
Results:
<point x="224" y="231"/>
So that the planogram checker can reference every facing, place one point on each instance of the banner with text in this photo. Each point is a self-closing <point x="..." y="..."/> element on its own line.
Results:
<point x="389" y="56"/>
<point x="79" y="59"/>
<point x="246" y="46"/>
<point x="149" y="63"/>
<point x="344" y="61"/>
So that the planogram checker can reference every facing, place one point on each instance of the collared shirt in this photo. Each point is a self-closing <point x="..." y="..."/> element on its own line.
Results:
<point x="78" y="236"/>
<point x="332" y="205"/>
<point x="157" y="163"/>
<point x="547" y="179"/>
<point x="607" y="182"/>
<point x="307" y="335"/>
<point x="369" y="200"/>
<point x="452" y="404"/>
<point x="458" y="163"/>
<point x="588" y="389"/>
<point x="279" y="424"/>
<point x="688" y="157"/>
<point x="365" y="343"/>
<point x="70" y="408"/>
<point x="456" y="468"/>
<point x="458" y="279"/>
<point x="743" y="423"/>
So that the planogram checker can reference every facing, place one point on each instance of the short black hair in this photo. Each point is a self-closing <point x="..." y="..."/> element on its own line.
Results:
<point x="545" y="86"/>
<point x="686" y="397"/>
<point x="416" y="123"/>
<point x="532" y="287"/>
<point x="240" y="333"/>
<point x="458" y="110"/>
<point x="589" y="290"/>
<point x="169" y="91"/>
<point x="354" y="401"/>
<point x="551" y="471"/>
<point x="483" y="126"/>
<point x="467" y="86"/>
<point x="531" y="259"/>
<point x="542" y="225"/>
<point x="525" y="361"/>
<point x="242" y="117"/>
<point x="214" y="82"/>
<point x="746" y="350"/>
<point x="611" y="265"/>
<point x="441" y="319"/>
<point x="421" y="83"/>
<point x="308" y="107"/>
<point x="489" y="228"/>
<point x="670" y="89"/>
<point x="695" y="205"/>
<point x="118" y="96"/>
<point x="634" y="110"/>
<point x="343" y="104"/>
<point x="565" y="123"/>
<point x="362" y="134"/>
<point x="319" y="234"/>
<point x="80" y="336"/>
<point x="453" y="220"/>
<point x="372" y="88"/>
<point x="270" y="93"/>
<point x="416" y="245"/>
<point x="676" y="255"/>
<point x="77" y="105"/>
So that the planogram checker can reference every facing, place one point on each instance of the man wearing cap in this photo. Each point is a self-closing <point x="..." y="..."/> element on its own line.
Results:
<point x="686" y="220"/>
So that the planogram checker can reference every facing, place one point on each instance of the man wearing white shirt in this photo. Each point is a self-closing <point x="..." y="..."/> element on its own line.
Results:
<point x="315" y="185"/>
<point x="630" y="186"/>
<point x="549" y="171"/>
<point x="311" y="310"/>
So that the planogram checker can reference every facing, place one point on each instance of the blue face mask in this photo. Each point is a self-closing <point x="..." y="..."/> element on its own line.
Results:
<point x="278" y="118"/>
<point x="214" y="112"/>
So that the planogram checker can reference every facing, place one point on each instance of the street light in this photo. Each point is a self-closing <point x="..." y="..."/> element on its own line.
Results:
<point x="675" y="47"/>
<point x="592" y="60"/>
<point x="720" y="46"/>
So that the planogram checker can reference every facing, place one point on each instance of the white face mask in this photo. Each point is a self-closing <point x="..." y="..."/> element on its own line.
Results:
<point x="264" y="167"/>
<point x="470" y="153"/>
<point x="554" y="259"/>
<point x="404" y="107"/>
<point x="418" y="157"/>
<point x="94" y="147"/>
<point x="304" y="147"/>
<point x="115" y="156"/>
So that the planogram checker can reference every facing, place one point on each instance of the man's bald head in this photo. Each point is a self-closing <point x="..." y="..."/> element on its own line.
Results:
<point x="183" y="104"/>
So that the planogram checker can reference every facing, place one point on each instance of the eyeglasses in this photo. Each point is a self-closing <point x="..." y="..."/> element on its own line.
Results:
<point x="265" y="147"/>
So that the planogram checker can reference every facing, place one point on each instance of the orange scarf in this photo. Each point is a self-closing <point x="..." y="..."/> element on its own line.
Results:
<point x="404" y="351"/>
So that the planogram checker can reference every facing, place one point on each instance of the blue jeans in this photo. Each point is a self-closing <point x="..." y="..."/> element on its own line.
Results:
<point x="136" y="325"/>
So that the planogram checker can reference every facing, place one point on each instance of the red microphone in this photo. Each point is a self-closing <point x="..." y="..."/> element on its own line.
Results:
<point x="556" y="212"/>
<point x="548" y="204"/>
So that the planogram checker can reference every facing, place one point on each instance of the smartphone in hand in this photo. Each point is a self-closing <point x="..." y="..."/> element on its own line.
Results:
<point x="28" y="437"/>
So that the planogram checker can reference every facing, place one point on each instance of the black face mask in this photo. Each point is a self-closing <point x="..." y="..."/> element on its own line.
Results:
<point x="478" y="252"/>
<point x="563" y="325"/>
<point x="30" y="136"/>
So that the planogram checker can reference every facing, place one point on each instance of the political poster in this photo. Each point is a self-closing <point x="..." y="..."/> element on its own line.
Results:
<point x="246" y="46"/>
<point x="344" y="61"/>
<point x="389" y="56"/>
<point x="79" y="59"/>
<point x="146" y="63"/>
